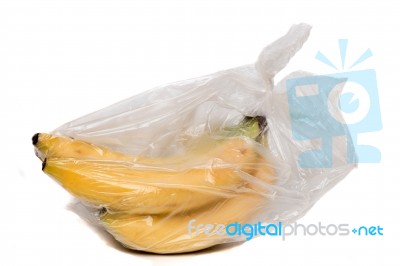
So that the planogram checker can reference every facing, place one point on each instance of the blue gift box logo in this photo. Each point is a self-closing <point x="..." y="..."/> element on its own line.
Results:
<point x="312" y="116"/>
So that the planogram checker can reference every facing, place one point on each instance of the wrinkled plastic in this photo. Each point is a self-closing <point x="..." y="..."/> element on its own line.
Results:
<point x="216" y="149"/>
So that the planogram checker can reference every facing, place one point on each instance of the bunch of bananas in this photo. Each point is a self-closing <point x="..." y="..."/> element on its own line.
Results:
<point x="146" y="203"/>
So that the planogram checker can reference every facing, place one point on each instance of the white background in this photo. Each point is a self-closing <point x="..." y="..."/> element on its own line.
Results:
<point x="62" y="59"/>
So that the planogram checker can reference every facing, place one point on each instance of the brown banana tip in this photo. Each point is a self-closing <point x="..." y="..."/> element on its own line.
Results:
<point x="102" y="211"/>
<point x="35" y="139"/>
<point x="44" y="163"/>
<point x="262" y="122"/>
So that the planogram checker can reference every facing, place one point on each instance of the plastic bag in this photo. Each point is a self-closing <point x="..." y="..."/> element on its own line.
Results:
<point x="171" y="170"/>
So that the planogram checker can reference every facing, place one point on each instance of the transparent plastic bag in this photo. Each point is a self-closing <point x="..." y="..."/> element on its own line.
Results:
<point x="168" y="170"/>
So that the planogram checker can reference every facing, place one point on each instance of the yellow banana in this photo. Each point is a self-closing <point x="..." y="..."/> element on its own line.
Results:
<point x="48" y="146"/>
<point x="237" y="150"/>
<point x="171" y="233"/>
<point x="121" y="182"/>
<point x="131" y="187"/>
